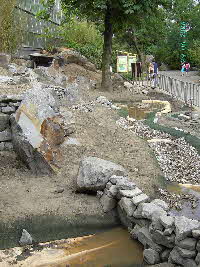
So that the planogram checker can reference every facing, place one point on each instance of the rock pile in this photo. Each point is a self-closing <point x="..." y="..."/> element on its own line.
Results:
<point x="165" y="238"/>
<point x="8" y="106"/>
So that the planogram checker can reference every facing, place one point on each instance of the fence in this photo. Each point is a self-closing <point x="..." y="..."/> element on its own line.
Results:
<point x="26" y="11"/>
<point x="185" y="91"/>
<point x="181" y="90"/>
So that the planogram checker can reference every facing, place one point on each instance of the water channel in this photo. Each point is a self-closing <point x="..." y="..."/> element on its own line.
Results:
<point x="113" y="248"/>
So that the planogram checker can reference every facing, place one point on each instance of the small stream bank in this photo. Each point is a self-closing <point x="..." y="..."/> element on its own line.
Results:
<point x="113" y="248"/>
<point x="178" y="160"/>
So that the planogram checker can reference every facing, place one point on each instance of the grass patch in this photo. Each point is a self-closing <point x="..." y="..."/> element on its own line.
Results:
<point x="123" y="112"/>
<point x="191" y="139"/>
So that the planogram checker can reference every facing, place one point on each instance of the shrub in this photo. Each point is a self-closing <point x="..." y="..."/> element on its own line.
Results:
<point x="11" y="33"/>
<point x="85" y="38"/>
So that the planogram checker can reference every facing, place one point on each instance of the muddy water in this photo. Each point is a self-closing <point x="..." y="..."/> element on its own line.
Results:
<point x="186" y="189"/>
<point x="113" y="248"/>
<point x="140" y="111"/>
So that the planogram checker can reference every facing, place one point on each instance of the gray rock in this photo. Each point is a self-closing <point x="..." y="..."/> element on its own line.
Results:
<point x="108" y="193"/>
<point x="130" y="193"/>
<point x="8" y="110"/>
<point x="107" y="203"/>
<point x="125" y="185"/>
<point x="167" y="241"/>
<point x="167" y="221"/>
<point x="134" y="232"/>
<point x="155" y="225"/>
<point x="195" y="115"/>
<point x="140" y="199"/>
<point x="198" y="246"/>
<point x="124" y="219"/>
<point x="165" y="255"/>
<point x="197" y="259"/>
<point x="187" y="243"/>
<point x="185" y="253"/>
<point x="145" y="238"/>
<point x="127" y="205"/>
<point x="103" y="100"/>
<point x="189" y="263"/>
<point x="4" y="121"/>
<point x="37" y="132"/>
<point x="108" y="185"/>
<point x="151" y="256"/>
<point x="26" y="238"/>
<point x="141" y="222"/>
<point x="99" y="194"/>
<point x="8" y="146"/>
<point x="175" y="257"/>
<point x="14" y="104"/>
<point x="114" y="178"/>
<point x="168" y="231"/>
<point x="113" y="190"/>
<point x="5" y="135"/>
<point x="150" y="210"/>
<point x="184" y="227"/>
<point x="2" y="146"/>
<point x="161" y="204"/>
<point x="94" y="173"/>
<point x="196" y="234"/>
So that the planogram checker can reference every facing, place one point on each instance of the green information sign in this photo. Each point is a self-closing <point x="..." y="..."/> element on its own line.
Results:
<point x="122" y="64"/>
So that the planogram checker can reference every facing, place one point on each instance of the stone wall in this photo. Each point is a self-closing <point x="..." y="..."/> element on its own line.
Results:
<point x="165" y="238"/>
<point x="8" y="106"/>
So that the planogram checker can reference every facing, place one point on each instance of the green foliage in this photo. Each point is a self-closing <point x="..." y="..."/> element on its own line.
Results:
<point x="84" y="37"/>
<point x="123" y="112"/>
<point x="194" y="53"/>
<point x="11" y="33"/>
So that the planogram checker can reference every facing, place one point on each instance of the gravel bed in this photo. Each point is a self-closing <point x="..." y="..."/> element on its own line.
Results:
<point x="179" y="161"/>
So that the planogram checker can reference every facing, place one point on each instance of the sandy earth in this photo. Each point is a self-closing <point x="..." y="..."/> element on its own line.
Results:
<point x="34" y="203"/>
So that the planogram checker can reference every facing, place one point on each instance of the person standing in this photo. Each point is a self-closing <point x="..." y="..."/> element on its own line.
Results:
<point x="183" y="69"/>
<point x="187" y="68"/>
<point x="155" y="73"/>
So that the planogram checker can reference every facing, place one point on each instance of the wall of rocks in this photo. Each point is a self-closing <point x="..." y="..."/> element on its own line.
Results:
<point x="8" y="106"/>
<point x="165" y="238"/>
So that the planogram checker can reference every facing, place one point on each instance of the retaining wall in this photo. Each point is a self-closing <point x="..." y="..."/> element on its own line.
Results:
<point x="165" y="238"/>
<point x="8" y="106"/>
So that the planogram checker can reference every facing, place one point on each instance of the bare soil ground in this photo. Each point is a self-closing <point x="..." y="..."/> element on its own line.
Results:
<point x="33" y="203"/>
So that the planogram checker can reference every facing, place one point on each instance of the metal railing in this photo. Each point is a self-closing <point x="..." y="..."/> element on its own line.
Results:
<point x="181" y="90"/>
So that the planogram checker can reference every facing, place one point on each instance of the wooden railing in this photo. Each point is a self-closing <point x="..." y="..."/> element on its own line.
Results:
<point x="181" y="90"/>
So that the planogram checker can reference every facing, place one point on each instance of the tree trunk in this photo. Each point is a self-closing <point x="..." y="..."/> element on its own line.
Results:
<point x="107" y="50"/>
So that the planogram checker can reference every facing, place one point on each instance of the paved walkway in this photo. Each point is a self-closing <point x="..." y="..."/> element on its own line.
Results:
<point x="193" y="76"/>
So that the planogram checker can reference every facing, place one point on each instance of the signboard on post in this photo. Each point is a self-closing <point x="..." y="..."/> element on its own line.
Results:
<point x="122" y="63"/>
<point x="131" y="59"/>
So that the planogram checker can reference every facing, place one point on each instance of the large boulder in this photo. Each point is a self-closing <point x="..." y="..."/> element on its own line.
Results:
<point x="37" y="131"/>
<point x="94" y="174"/>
